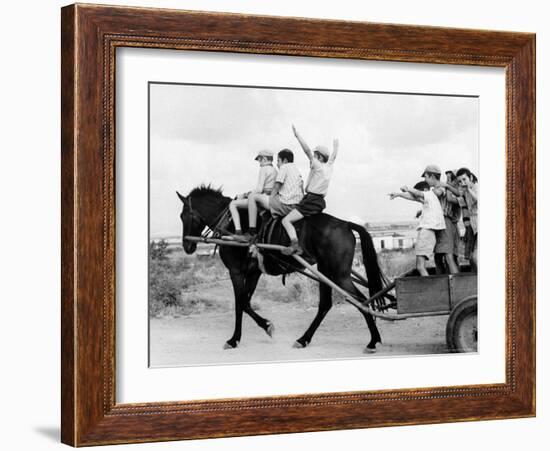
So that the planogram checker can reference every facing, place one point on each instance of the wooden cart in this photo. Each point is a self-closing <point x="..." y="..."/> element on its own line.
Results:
<point x="413" y="296"/>
<point x="453" y="295"/>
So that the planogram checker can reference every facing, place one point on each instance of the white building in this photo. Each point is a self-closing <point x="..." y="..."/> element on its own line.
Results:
<point x="400" y="235"/>
<point x="392" y="240"/>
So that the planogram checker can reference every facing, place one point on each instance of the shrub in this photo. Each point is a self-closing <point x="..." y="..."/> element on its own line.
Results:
<point x="175" y="283"/>
<point x="158" y="250"/>
<point x="164" y="287"/>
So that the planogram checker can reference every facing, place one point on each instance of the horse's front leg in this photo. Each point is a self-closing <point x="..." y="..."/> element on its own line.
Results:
<point x="251" y="282"/>
<point x="239" y="290"/>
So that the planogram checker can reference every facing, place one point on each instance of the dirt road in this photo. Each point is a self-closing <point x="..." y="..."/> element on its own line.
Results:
<point x="198" y="339"/>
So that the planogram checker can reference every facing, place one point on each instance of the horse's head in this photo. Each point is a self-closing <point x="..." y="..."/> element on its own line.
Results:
<point x="200" y="208"/>
<point x="192" y="224"/>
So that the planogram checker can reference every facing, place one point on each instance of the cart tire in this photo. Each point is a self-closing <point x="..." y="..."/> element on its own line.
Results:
<point x="462" y="326"/>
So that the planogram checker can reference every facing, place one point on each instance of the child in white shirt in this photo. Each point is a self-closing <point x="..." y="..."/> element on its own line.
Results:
<point x="321" y="165"/>
<point x="264" y="186"/>
<point x="431" y="220"/>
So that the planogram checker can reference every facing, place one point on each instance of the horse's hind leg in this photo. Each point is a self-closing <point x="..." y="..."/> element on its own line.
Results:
<point x="251" y="283"/>
<point x="347" y="284"/>
<point x="325" y="304"/>
<point x="239" y="289"/>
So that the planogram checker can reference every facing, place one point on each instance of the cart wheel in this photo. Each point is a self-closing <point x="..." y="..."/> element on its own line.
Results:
<point x="462" y="326"/>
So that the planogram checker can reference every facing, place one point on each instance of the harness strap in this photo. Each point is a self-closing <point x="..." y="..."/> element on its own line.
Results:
<point x="220" y="219"/>
<point x="217" y="220"/>
<point x="270" y="229"/>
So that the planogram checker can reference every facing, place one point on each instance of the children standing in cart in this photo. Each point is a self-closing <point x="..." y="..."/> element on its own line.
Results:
<point x="447" y="238"/>
<point x="452" y="209"/>
<point x="321" y="166"/>
<point x="469" y="190"/>
<point x="431" y="219"/>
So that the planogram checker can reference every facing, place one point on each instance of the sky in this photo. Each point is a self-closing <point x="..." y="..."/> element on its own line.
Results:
<point x="211" y="134"/>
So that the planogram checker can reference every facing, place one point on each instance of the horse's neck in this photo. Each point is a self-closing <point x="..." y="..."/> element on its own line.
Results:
<point x="214" y="209"/>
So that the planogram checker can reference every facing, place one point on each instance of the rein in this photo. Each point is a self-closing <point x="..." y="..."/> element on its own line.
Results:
<point x="216" y="228"/>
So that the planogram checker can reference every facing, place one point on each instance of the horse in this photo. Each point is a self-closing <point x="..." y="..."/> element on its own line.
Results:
<point x="325" y="239"/>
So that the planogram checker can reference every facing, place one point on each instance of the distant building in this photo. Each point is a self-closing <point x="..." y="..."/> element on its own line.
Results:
<point x="175" y="244"/>
<point x="389" y="241"/>
<point x="392" y="235"/>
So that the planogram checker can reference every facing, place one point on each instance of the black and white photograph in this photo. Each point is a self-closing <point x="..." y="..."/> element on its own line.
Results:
<point x="294" y="224"/>
<point x="248" y="225"/>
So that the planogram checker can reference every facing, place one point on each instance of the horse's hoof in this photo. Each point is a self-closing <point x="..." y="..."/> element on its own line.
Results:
<point x="228" y="345"/>
<point x="298" y="345"/>
<point x="270" y="330"/>
<point x="368" y="350"/>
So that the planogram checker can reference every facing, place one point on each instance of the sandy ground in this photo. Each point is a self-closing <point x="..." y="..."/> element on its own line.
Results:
<point x="198" y="339"/>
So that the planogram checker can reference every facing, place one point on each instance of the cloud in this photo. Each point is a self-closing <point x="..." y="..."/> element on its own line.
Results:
<point x="397" y="121"/>
<point x="213" y="115"/>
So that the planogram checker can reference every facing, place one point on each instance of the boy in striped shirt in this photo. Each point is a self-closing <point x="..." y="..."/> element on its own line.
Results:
<point x="289" y="186"/>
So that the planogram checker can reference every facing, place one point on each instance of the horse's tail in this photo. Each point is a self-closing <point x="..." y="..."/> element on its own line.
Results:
<point x="375" y="276"/>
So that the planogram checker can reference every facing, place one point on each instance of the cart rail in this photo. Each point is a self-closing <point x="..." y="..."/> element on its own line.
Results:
<point x="313" y="273"/>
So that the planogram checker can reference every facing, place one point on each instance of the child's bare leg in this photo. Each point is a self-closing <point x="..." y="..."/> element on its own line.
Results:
<point x="253" y="201"/>
<point x="451" y="263"/>
<point x="421" y="265"/>
<point x="234" y="205"/>
<point x="263" y="200"/>
<point x="287" y="221"/>
<point x="473" y="259"/>
<point x="252" y="211"/>
<point x="439" y="263"/>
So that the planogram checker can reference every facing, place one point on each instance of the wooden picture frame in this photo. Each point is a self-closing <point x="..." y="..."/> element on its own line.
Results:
<point x="90" y="36"/>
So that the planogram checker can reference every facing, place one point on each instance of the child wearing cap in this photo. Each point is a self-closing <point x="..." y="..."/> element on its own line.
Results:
<point x="445" y="237"/>
<point x="469" y="191"/>
<point x="431" y="219"/>
<point x="448" y="240"/>
<point x="321" y="166"/>
<point x="264" y="186"/>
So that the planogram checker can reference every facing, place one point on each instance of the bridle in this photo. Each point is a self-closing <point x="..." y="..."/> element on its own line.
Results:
<point x="209" y="230"/>
<point x="191" y="218"/>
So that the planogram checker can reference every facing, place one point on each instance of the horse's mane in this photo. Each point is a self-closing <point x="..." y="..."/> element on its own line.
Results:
<point x="203" y="190"/>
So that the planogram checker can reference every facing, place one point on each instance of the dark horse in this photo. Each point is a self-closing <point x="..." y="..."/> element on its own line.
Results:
<point x="326" y="240"/>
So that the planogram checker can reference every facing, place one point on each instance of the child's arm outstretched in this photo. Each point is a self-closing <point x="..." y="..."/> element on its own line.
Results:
<point x="454" y="190"/>
<point x="407" y="196"/>
<point x="335" y="147"/>
<point x="417" y="194"/>
<point x="304" y="145"/>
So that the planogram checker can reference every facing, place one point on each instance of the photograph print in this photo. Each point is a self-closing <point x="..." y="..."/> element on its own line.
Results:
<point x="292" y="224"/>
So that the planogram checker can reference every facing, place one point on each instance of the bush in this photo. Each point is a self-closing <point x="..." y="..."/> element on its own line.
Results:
<point x="175" y="283"/>
<point x="164" y="287"/>
<point x="158" y="250"/>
